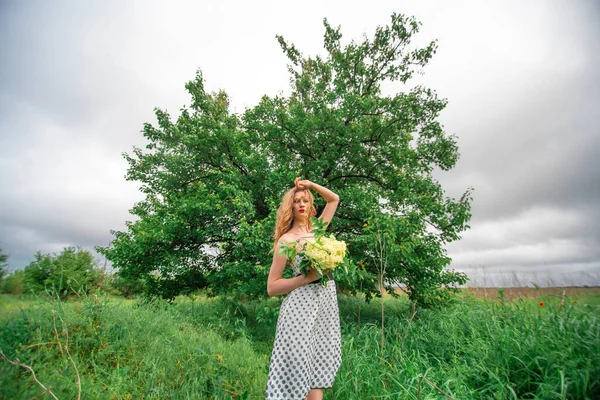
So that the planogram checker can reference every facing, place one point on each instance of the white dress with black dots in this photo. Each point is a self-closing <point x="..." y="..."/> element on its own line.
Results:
<point x="307" y="350"/>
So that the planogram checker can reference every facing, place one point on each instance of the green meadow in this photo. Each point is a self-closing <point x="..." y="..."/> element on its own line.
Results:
<point x="537" y="347"/>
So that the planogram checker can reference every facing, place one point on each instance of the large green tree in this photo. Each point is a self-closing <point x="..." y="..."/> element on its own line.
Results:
<point x="213" y="179"/>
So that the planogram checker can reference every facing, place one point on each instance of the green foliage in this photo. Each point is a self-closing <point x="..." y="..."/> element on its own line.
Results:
<point x="219" y="349"/>
<point x="13" y="283"/>
<point x="213" y="179"/>
<point x="411" y="260"/>
<point x="117" y="285"/>
<point x="3" y="264"/>
<point x="71" y="271"/>
<point x="37" y="273"/>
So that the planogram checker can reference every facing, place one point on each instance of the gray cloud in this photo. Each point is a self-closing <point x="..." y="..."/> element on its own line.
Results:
<point x="78" y="80"/>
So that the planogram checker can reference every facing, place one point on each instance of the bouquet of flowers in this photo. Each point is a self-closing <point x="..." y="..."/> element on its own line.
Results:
<point x="324" y="253"/>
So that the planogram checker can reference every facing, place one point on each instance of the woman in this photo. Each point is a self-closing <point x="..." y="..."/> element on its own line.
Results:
<point x="307" y="350"/>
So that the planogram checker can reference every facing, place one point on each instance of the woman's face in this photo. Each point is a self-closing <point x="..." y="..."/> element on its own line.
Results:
<point x="301" y="205"/>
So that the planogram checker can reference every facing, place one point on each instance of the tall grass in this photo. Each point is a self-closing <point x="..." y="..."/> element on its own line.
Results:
<point x="127" y="350"/>
<point x="220" y="349"/>
<point x="478" y="349"/>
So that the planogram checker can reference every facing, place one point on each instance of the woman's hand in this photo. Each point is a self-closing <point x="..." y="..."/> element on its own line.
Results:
<point x="302" y="184"/>
<point x="313" y="275"/>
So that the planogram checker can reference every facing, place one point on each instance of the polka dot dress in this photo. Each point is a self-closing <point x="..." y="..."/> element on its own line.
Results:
<point x="307" y="350"/>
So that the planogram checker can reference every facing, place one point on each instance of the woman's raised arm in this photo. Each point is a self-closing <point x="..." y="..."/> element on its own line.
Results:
<point x="331" y="198"/>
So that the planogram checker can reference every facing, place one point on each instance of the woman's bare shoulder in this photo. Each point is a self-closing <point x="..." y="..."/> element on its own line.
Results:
<point x="285" y="238"/>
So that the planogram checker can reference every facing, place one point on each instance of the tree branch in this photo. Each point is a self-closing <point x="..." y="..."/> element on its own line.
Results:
<point x="369" y="178"/>
<point x="233" y="161"/>
<point x="27" y="367"/>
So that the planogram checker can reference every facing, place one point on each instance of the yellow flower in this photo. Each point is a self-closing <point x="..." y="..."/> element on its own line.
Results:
<point x="327" y="255"/>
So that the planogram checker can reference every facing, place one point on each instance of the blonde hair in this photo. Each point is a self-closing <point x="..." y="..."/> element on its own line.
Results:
<point x="285" y="215"/>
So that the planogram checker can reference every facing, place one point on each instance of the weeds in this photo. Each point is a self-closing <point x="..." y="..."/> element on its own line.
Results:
<point x="198" y="348"/>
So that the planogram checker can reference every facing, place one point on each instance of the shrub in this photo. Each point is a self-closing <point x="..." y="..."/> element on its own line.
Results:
<point x="13" y="283"/>
<point x="73" y="270"/>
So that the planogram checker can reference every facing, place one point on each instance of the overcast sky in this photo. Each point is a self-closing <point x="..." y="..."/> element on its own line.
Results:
<point x="78" y="80"/>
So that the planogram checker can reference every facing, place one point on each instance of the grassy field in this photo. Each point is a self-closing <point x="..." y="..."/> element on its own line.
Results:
<point x="532" y="293"/>
<point x="544" y="345"/>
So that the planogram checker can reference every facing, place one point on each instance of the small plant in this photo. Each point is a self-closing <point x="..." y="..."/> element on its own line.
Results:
<point x="268" y="315"/>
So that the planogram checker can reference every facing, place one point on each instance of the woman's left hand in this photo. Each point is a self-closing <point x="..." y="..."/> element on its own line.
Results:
<point x="302" y="184"/>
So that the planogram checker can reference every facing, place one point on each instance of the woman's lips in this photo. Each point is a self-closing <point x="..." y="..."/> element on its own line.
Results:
<point x="301" y="211"/>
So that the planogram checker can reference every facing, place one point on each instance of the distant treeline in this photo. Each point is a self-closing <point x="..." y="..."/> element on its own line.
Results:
<point x="74" y="270"/>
